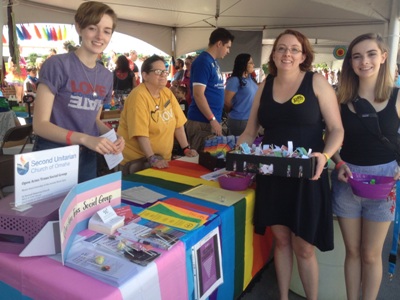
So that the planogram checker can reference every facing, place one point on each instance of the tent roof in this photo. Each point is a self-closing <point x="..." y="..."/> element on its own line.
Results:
<point x="156" y="21"/>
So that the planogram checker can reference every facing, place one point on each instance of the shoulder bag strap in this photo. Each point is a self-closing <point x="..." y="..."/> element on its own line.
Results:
<point x="365" y="111"/>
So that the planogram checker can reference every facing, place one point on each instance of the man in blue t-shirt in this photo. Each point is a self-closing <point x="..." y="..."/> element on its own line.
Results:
<point x="207" y="88"/>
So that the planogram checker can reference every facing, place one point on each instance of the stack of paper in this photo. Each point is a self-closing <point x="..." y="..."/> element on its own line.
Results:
<point x="141" y="195"/>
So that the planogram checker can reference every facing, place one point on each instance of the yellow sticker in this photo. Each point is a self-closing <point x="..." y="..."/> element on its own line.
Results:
<point x="298" y="99"/>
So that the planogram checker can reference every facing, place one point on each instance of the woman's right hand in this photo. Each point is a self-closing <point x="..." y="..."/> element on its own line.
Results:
<point x="344" y="173"/>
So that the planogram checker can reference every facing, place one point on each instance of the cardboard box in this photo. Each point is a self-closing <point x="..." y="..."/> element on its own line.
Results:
<point x="278" y="166"/>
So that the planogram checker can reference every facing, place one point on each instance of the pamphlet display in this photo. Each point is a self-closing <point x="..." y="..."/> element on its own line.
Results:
<point x="83" y="201"/>
<point x="44" y="175"/>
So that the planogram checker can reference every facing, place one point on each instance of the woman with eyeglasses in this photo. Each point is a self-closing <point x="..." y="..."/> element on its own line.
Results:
<point x="150" y="120"/>
<point x="297" y="105"/>
<point x="239" y="93"/>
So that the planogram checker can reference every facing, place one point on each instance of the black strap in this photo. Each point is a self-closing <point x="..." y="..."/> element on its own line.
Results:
<point x="369" y="118"/>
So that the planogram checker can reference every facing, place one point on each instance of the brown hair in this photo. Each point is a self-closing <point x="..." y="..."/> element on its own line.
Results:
<point x="349" y="81"/>
<point x="91" y="12"/>
<point x="306" y="50"/>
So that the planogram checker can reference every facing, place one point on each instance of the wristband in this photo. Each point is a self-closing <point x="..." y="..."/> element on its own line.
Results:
<point x="68" y="137"/>
<point x="326" y="156"/>
<point x="339" y="164"/>
<point x="211" y="118"/>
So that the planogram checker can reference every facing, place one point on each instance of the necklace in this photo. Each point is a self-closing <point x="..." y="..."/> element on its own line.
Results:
<point x="94" y="94"/>
<point x="154" y="100"/>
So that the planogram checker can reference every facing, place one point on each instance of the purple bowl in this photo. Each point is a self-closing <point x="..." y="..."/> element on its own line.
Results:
<point x="235" y="181"/>
<point x="361" y="186"/>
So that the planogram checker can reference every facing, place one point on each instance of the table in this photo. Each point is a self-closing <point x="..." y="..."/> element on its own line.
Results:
<point x="170" y="277"/>
<point x="244" y="253"/>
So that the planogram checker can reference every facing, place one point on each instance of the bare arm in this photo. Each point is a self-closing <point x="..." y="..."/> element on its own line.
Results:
<point x="333" y="124"/>
<point x="252" y="128"/>
<point x="228" y="100"/>
<point x="202" y="104"/>
<point x="180" y="136"/>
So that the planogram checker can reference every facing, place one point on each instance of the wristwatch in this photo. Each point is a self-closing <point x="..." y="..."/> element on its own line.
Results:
<point x="212" y="119"/>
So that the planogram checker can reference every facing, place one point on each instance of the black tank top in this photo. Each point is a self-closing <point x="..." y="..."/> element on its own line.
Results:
<point x="360" y="146"/>
<point x="298" y="120"/>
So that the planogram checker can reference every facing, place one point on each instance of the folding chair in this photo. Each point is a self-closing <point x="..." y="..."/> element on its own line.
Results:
<point x="19" y="135"/>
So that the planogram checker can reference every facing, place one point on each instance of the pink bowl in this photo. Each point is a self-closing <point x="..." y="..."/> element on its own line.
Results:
<point x="235" y="181"/>
<point x="361" y="186"/>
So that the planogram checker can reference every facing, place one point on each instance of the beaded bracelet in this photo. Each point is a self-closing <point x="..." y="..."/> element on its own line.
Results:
<point x="153" y="159"/>
<point x="339" y="164"/>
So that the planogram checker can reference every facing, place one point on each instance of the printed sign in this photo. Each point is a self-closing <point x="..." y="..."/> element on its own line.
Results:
<point x="44" y="175"/>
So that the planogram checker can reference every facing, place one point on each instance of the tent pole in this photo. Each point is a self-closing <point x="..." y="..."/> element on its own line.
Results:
<point x="394" y="27"/>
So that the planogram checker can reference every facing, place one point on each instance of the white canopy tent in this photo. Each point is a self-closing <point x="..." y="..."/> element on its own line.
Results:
<point x="181" y="26"/>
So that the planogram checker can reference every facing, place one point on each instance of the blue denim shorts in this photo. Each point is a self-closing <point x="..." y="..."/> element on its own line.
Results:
<point x="347" y="205"/>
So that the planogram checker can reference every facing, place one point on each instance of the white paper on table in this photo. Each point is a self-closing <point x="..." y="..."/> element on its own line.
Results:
<point x="112" y="159"/>
<point x="214" y="175"/>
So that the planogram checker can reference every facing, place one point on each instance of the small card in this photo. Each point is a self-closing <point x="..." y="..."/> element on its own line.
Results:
<point x="106" y="214"/>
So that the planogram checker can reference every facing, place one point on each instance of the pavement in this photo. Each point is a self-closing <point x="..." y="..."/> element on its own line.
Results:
<point x="264" y="285"/>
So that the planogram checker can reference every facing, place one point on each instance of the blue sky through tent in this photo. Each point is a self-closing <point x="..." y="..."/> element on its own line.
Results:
<point x="120" y="43"/>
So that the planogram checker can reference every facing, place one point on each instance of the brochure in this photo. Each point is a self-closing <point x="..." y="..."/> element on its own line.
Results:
<point x="214" y="194"/>
<point x="141" y="195"/>
<point x="151" y="233"/>
<point x="132" y="251"/>
<point x="207" y="264"/>
<point x="99" y="263"/>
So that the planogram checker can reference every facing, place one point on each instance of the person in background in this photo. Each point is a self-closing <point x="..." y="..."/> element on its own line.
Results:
<point x="179" y="70"/>
<point x="123" y="79"/>
<point x="364" y="222"/>
<point x="72" y="90"/>
<point x="180" y="95"/>
<point x="17" y="75"/>
<point x="174" y="86"/>
<point x="239" y="94"/>
<point x="207" y="85"/>
<point x="30" y="84"/>
<point x="52" y="52"/>
<point x="295" y="104"/>
<point x="133" y="66"/>
<point x="150" y="120"/>
<point x="186" y="78"/>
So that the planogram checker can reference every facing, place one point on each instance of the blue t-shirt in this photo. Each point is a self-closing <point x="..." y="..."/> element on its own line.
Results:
<point x="75" y="108"/>
<point x="243" y="98"/>
<point x="205" y="71"/>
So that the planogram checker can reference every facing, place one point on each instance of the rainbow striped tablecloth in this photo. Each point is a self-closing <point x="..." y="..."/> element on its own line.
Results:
<point x="243" y="252"/>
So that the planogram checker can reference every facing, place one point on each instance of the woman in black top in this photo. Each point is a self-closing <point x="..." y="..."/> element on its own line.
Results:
<point x="365" y="222"/>
<point x="124" y="79"/>
<point x="295" y="105"/>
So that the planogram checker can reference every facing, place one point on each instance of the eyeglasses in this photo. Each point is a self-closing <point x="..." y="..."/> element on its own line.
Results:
<point x="283" y="50"/>
<point x="160" y="72"/>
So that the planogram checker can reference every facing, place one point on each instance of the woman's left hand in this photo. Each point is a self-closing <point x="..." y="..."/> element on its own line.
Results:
<point x="321" y="162"/>
<point x="120" y="144"/>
